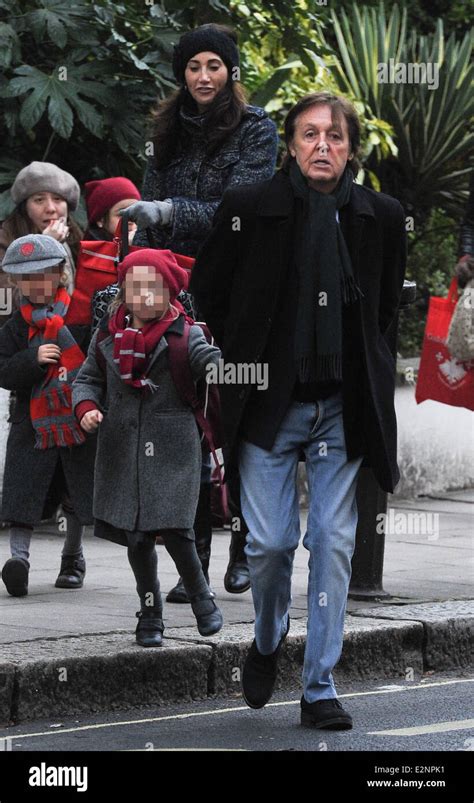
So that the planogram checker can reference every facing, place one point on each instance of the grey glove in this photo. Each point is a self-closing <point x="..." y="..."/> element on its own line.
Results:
<point x="149" y="213"/>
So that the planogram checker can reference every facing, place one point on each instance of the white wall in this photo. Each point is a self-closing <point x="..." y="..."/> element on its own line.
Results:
<point x="435" y="445"/>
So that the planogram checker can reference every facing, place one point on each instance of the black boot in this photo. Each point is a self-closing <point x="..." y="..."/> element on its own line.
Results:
<point x="149" y="632"/>
<point x="203" y="535"/>
<point x="237" y="576"/>
<point x="178" y="593"/>
<point x="15" y="577"/>
<point x="72" y="572"/>
<point x="208" y="616"/>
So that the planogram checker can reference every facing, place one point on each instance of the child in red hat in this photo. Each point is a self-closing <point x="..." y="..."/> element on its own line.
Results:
<point x="147" y="473"/>
<point x="105" y="198"/>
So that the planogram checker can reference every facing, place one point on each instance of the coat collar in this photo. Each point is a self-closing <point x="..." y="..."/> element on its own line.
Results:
<point x="278" y="199"/>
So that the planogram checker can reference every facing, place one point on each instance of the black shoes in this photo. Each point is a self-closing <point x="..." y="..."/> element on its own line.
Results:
<point x="179" y="593"/>
<point x="260" y="673"/>
<point x="15" y="577"/>
<point x="208" y="616"/>
<point x="15" y="574"/>
<point x="149" y="632"/>
<point x="327" y="714"/>
<point x="72" y="572"/>
<point x="237" y="576"/>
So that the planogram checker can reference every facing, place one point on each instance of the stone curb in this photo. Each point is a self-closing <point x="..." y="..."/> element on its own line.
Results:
<point x="108" y="672"/>
<point x="448" y="630"/>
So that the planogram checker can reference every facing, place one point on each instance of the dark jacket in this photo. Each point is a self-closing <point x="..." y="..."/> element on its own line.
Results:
<point x="196" y="182"/>
<point x="244" y="286"/>
<point x="28" y="491"/>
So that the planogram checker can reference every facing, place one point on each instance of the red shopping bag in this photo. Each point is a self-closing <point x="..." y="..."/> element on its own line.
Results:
<point x="441" y="377"/>
<point x="97" y="268"/>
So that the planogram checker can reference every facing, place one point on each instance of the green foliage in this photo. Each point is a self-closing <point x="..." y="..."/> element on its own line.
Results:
<point x="423" y="15"/>
<point x="77" y="83"/>
<point x="433" y="128"/>
<point x="78" y="80"/>
<point x="285" y="56"/>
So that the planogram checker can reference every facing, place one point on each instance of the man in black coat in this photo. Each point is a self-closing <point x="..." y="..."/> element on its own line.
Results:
<point x="303" y="273"/>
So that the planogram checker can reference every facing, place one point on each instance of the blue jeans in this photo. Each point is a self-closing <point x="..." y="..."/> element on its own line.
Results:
<point x="270" y="508"/>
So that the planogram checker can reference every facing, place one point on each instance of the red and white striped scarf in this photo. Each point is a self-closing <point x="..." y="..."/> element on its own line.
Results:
<point x="133" y="347"/>
<point x="51" y="411"/>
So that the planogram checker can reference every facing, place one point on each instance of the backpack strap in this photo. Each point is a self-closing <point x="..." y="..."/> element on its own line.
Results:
<point x="183" y="379"/>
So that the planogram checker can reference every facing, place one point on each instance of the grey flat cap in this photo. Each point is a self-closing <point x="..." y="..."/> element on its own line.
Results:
<point x="33" y="252"/>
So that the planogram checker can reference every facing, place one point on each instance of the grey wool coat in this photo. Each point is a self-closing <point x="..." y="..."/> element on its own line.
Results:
<point x="31" y="485"/>
<point x="147" y="471"/>
<point x="196" y="182"/>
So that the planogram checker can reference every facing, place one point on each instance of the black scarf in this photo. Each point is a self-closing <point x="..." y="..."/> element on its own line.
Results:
<point x="326" y="280"/>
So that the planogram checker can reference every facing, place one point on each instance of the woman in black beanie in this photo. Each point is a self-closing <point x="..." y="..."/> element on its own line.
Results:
<point x="205" y="138"/>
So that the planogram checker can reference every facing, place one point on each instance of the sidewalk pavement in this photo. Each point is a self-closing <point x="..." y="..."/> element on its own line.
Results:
<point x="65" y="652"/>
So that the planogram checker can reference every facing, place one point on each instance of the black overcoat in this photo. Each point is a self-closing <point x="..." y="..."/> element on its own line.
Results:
<point x="241" y="282"/>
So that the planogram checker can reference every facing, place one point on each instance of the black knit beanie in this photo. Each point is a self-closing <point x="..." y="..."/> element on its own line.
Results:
<point x="206" y="37"/>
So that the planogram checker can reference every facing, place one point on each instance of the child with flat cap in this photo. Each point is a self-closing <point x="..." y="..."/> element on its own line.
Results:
<point x="49" y="457"/>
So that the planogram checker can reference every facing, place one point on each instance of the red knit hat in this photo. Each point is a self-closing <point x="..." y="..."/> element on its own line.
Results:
<point x="101" y="195"/>
<point x="164" y="262"/>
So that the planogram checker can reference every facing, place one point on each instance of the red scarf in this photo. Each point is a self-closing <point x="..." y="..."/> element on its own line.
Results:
<point x="50" y="405"/>
<point x="133" y="347"/>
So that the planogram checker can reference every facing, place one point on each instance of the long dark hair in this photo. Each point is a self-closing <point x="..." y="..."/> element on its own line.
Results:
<point x="18" y="224"/>
<point x="221" y="119"/>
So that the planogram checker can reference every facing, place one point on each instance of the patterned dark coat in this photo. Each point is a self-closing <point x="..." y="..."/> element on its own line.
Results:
<point x="196" y="183"/>
<point x="148" y="466"/>
<point x="29" y="492"/>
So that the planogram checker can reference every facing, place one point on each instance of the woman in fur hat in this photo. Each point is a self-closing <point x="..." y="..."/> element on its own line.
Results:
<point x="44" y="196"/>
